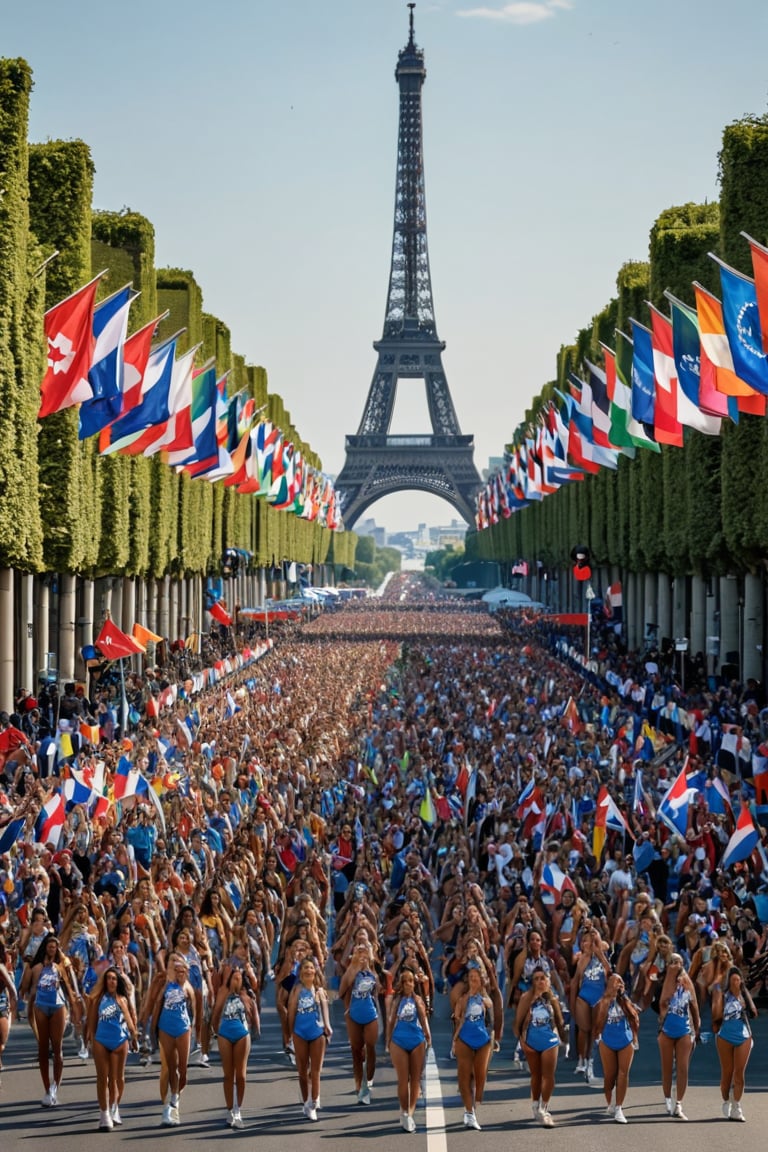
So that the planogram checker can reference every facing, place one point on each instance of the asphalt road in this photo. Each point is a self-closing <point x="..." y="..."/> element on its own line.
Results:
<point x="272" y="1113"/>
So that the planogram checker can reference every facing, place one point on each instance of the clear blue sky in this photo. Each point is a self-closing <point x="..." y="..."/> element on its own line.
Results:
<point x="260" y="136"/>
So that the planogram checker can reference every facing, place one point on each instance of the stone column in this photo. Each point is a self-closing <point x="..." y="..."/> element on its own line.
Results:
<point x="698" y="623"/>
<point x="173" y="610"/>
<point x="67" y="626"/>
<point x="730" y="613"/>
<point x="650" y="605"/>
<point x="162" y="607"/>
<point x="7" y="685"/>
<point x="129" y="603"/>
<point x="27" y="670"/>
<point x="753" y="627"/>
<point x="117" y="603"/>
<point x="680" y="624"/>
<point x="86" y="633"/>
<point x="41" y="619"/>
<point x="151" y="605"/>
<point x="664" y="602"/>
<point x="714" y="647"/>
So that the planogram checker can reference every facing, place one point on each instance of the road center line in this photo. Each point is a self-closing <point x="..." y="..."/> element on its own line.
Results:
<point x="433" y="1093"/>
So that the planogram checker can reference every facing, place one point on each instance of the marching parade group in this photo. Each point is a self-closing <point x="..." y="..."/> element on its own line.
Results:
<point x="391" y="815"/>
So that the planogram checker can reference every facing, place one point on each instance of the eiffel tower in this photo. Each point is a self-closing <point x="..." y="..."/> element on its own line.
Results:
<point x="377" y="463"/>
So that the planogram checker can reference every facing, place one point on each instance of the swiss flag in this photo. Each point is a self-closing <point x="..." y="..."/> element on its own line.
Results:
<point x="219" y="612"/>
<point x="115" y="644"/>
<point x="69" y="331"/>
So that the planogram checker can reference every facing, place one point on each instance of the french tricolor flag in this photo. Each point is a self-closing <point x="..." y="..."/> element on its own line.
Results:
<point x="744" y="840"/>
<point x="128" y="781"/>
<point x="50" y="821"/>
<point x="78" y="792"/>
<point x="673" y="809"/>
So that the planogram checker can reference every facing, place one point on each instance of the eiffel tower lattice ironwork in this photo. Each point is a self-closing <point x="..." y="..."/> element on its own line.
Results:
<point x="442" y="462"/>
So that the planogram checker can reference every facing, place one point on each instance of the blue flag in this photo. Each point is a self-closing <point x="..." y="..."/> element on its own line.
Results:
<point x="10" y="834"/>
<point x="153" y="407"/>
<point x="643" y="383"/>
<point x="106" y="374"/>
<point x="742" y="327"/>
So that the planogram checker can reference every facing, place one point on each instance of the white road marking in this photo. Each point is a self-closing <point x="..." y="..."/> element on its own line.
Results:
<point x="436" y="1141"/>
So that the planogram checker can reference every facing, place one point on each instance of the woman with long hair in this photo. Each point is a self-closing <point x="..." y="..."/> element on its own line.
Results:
<point x="586" y="989"/>
<point x="310" y="1026"/>
<point x="172" y="1021"/>
<point x="8" y="1001"/>
<point x="408" y="1037"/>
<point x="540" y="1027"/>
<point x="110" y="1022"/>
<point x="732" y="1008"/>
<point x="52" y="992"/>
<point x="616" y="1022"/>
<point x="473" y="1041"/>
<point x="679" y="1029"/>
<point x="359" y="989"/>
<point x="234" y="1018"/>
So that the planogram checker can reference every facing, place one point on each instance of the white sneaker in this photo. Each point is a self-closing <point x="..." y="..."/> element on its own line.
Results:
<point x="736" y="1111"/>
<point x="237" y="1120"/>
<point x="727" y="1109"/>
<point x="311" y="1112"/>
<point x="411" y="1124"/>
<point x="174" y="1106"/>
<point x="166" y="1121"/>
<point x="364" y="1095"/>
<point x="54" y="1095"/>
<point x="589" y="1073"/>
<point x="105" y="1121"/>
<point x="581" y="1065"/>
<point x="619" y="1116"/>
<point x="404" y="1122"/>
<point x="678" y="1112"/>
<point x="669" y="1104"/>
<point x="203" y="1060"/>
<point x="83" y="1052"/>
<point x="115" y="1113"/>
<point x="470" y="1121"/>
<point x="610" y="1110"/>
<point x="546" y="1118"/>
<point x="47" y="1100"/>
<point x="536" y="1109"/>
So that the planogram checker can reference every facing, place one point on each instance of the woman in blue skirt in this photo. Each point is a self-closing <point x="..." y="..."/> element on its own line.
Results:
<point x="310" y="1027"/>
<point x="172" y="1022"/>
<point x="617" y="1022"/>
<point x="732" y="1009"/>
<point x="473" y="1041"/>
<point x="540" y="1027"/>
<point x="408" y="1036"/>
<point x="679" y="1029"/>
<point x="234" y="1018"/>
<point x="110" y="1023"/>
<point x="587" y="987"/>
<point x="359" y="989"/>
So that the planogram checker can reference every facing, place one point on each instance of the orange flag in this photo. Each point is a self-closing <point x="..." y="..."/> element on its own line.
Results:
<point x="143" y="635"/>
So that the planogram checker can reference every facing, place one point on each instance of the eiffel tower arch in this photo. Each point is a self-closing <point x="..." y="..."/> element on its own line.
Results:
<point x="441" y="462"/>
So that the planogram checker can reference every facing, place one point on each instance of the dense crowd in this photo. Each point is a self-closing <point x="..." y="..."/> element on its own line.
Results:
<point x="397" y="804"/>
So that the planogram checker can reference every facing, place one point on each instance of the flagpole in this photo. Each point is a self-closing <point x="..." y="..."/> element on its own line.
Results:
<point x="123" y="703"/>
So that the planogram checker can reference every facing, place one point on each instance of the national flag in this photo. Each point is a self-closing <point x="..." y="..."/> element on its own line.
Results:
<point x="427" y="811"/>
<point x="613" y="602"/>
<point x="525" y="796"/>
<point x="199" y="424"/>
<point x="609" y="815"/>
<point x="106" y="375"/>
<point x="734" y="753"/>
<point x="718" y="797"/>
<point x="760" y="271"/>
<point x="115" y="644"/>
<point x="128" y="780"/>
<point x="716" y="355"/>
<point x="69" y="332"/>
<point x="643" y="853"/>
<point x="601" y="405"/>
<point x="642" y="436"/>
<point x="50" y="820"/>
<point x="668" y="428"/>
<point x="136" y="353"/>
<point x="126" y="434"/>
<point x="760" y="781"/>
<point x="643" y="384"/>
<point x="554" y="882"/>
<point x="76" y="791"/>
<point x="742" y="326"/>
<point x="570" y="717"/>
<point x="638" y="799"/>
<point x="176" y="431"/>
<point x="744" y="840"/>
<point x="144" y="636"/>
<point x="673" y="809"/>
<point x="89" y="732"/>
<point x="10" y="834"/>
<point x="220" y="614"/>
<point x="699" y="405"/>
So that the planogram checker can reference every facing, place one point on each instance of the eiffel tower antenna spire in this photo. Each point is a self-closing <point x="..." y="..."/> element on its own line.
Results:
<point x="376" y="462"/>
